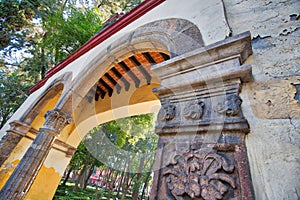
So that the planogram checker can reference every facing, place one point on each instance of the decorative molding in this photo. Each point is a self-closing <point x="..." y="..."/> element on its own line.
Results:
<point x="194" y="110"/>
<point x="204" y="66"/>
<point x="18" y="128"/>
<point x="13" y="136"/>
<point x="199" y="173"/>
<point x="59" y="145"/>
<point x="167" y="112"/>
<point x="56" y="120"/>
<point x="231" y="106"/>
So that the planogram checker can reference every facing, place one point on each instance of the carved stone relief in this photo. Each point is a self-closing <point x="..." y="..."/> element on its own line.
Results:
<point x="216" y="166"/>
<point x="56" y="120"/>
<point x="231" y="106"/>
<point x="199" y="173"/>
<point x="194" y="110"/>
<point x="167" y="112"/>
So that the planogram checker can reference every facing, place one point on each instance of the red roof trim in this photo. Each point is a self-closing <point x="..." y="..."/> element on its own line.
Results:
<point x="125" y="20"/>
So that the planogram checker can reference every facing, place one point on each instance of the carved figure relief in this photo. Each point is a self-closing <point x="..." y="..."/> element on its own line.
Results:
<point x="194" y="110"/>
<point x="56" y="120"/>
<point x="167" y="112"/>
<point x="232" y="105"/>
<point x="199" y="174"/>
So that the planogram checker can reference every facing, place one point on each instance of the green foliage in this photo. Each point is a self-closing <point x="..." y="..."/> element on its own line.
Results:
<point x="66" y="193"/>
<point x="13" y="88"/>
<point x="15" y="15"/>
<point x="64" y="33"/>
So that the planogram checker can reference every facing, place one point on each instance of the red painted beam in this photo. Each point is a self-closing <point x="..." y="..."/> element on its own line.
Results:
<point x="125" y="20"/>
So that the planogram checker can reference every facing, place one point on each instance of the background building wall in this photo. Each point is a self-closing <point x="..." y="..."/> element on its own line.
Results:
<point x="269" y="105"/>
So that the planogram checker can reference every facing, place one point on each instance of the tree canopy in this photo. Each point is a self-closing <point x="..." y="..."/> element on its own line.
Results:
<point x="35" y="35"/>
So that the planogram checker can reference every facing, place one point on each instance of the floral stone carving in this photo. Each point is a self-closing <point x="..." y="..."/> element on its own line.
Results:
<point x="194" y="110"/>
<point x="167" y="112"/>
<point x="232" y="105"/>
<point x="199" y="174"/>
<point x="56" y="120"/>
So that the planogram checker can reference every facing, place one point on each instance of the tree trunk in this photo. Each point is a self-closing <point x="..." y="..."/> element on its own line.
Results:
<point x="137" y="184"/>
<point x="126" y="180"/>
<point x="76" y="183"/>
<point x="90" y="172"/>
<point x="82" y="174"/>
<point x="145" y="184"/>
<point x="67" y="176"/>
<point x="124" y="186"/>
<point x="96" y="191"/>
<point x="115" y="179"/>
<point x="108" y="179"/>
<point x="120" y="182"/>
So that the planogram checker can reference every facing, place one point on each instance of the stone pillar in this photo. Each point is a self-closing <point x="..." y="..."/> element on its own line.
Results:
<point x="13" y="136"/>
<point x="201" y="128"/>
<point x="23" y="176"/>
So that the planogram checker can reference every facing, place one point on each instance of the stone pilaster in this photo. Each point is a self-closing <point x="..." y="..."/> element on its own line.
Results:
<point x="23" y="176"/>
<point x="201" y="126"/>
<point x="13" y="136"/>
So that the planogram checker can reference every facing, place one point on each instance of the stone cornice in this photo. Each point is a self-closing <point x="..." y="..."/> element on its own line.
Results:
<point x="199" y="90"/>
<point x="58" y="144"/>
<point x="18" y="128"/>
<point x="218" y="62"/>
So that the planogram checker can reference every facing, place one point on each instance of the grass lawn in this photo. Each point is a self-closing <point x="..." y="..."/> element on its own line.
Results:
<point x="66" y="193"/>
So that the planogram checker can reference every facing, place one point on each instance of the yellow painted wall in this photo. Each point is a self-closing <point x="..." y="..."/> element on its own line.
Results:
<point x="10" y="164"/>
<point x="39" y="119"/>
<point x="6" y="171"/>
<point x="44" y="185"/>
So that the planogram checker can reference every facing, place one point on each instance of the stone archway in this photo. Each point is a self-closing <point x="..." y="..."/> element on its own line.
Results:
<point x="149" y="38"/>
<point x="199" y="92"/>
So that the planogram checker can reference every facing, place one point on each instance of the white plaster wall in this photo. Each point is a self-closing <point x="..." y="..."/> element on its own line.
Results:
<point x="268" y="103"/>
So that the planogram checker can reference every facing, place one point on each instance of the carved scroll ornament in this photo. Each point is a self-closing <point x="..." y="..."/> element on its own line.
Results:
<point x="56" y="120"/>
<point x="201" y="173"/>
<point x="232" y="105"/>
<point x="167" y="112"/>
<point x="194" y="110"/>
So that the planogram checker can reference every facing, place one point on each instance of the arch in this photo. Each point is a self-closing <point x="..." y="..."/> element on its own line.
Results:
<point x="23" y="131"/>
<point x="170" y="36"/>
<point x="58" y="85"/>
<point x="32" y="119"/>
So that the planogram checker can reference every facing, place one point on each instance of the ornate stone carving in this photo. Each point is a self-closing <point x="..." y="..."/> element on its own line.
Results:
<point x="167" y="112"/>
<point x="232" y="105"/>
<point x="199" y="173"/>
<point x="56" y="120"/>
<point x="194" y="110"/>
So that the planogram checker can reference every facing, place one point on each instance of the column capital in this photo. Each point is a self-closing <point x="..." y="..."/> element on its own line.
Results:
<point x="56" y="120"/>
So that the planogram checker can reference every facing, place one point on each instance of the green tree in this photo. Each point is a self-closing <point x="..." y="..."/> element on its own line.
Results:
<point x="12" y="87"/>
<point x="127" y="147"/>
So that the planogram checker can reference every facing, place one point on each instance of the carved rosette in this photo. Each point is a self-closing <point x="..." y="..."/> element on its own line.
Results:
<point x="56" y="120"/>
<point x="231" y="107"/>
<point x="199" y="174"/>
<point x="194" y="110"/>
<point x="167" y="112"/>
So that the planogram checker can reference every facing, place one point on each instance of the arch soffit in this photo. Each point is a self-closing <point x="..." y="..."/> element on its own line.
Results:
<point x="171" y="36"/>
<point x="60" y="84"/>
